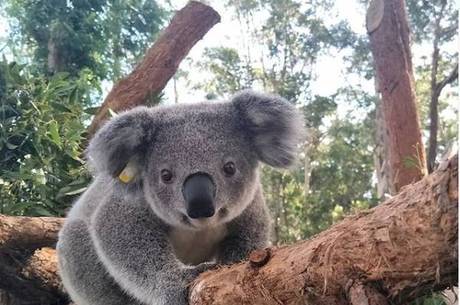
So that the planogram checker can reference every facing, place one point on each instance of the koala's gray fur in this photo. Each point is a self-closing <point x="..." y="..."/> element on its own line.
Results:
<point x="133" y="243"/>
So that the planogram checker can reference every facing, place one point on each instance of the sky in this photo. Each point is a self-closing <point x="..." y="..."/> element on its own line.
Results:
<point x="228" y="33"/>
<point x="329" y="70"/>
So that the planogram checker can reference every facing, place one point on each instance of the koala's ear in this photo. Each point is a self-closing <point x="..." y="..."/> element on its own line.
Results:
<point x="274" y="125"/>
<point x="122" y="139"/>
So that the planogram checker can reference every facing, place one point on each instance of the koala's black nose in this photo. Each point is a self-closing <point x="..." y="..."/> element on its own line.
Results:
<point x="199" y="192"/>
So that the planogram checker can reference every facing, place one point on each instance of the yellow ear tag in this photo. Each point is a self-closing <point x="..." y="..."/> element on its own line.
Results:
<point x="128" y="173"/>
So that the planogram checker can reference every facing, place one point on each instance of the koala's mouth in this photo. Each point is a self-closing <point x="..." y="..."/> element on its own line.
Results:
<point x="205" y="221"/>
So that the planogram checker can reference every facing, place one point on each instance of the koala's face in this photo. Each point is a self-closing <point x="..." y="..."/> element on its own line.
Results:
<point x="200" y="170"/>
<point x="198" y="163"/>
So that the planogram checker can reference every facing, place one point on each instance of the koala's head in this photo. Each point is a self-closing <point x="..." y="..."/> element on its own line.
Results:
<point x="197" y="164"/>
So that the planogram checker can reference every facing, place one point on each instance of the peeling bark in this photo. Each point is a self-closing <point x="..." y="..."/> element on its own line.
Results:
<point x="362" y="294"/>
<point x="398" y="251"/>
<point x="402" y="249"/>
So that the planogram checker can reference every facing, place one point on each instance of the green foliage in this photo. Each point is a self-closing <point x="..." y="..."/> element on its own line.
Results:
<point x="423" y="13"/>
<point x="434" y="299"/>
<point x="341" y="177"/>
<point x="69" y="48"/>
<point x="231" y="73"/>
<point x="101" y="35"/>
<point x="285" y="38"/>
<point x="423" y="16"/>
<point x="41" y="131"/>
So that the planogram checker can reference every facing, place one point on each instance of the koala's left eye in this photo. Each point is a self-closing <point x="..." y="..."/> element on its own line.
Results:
<point x="166" y="176"/>
<point x="229" y="168"/>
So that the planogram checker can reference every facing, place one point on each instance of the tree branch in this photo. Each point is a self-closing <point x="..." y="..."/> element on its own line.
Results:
<point x="391" y="254"/>
<point x="160" y="63"/>
<point x="401" y="249"/>
<point x="447" y="80"/>
<point x="28" y="232"/>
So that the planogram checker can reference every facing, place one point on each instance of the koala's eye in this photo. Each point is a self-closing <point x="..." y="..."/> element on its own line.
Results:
<point x="166" y="175"/>
<point x="229" y="168"/>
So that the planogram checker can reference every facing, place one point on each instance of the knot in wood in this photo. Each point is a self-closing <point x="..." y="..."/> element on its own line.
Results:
<point x="259" y="257"/>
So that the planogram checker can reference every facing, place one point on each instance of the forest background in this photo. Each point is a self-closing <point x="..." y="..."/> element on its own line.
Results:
<point x="60" y="59"/>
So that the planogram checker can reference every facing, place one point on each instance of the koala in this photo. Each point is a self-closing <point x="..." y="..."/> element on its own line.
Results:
<point x="193" y="199"/>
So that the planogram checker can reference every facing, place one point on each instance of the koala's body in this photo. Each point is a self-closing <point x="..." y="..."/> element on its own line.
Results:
<point x="194" y="199"/>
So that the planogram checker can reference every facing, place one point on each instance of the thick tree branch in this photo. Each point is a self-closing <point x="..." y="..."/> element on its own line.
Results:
<point x="402" y="249"/>
<point x="31" y="277"/>
<point x="28" y="232"/>
<point x="160" y="63"/>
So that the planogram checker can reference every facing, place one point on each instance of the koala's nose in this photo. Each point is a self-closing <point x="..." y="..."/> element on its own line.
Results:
<point x="199" y="192"/>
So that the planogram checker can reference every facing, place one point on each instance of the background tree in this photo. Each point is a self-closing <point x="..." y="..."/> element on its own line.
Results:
<point x="280" y="47"/>
<point x="388" y="31"/>
<point x="436" y="23"/>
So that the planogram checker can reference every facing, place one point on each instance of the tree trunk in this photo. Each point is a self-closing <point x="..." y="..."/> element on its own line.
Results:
<point x="382" y="168"/>
<point x="55" y="63"/>
<point x="160" y="63"/>
<point x="400" y="250"/>
<point x="436" y="89"/>
<point x="391" y="254"/>
<point x="433" y="141"/>
<point x="389" y="39"/>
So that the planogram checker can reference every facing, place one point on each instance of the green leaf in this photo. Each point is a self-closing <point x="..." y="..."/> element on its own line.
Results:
<point x="40" y="211"/>
<point x="92" y="110"/>
<point x="60" y="107"/>
<point x="53" y="131"/>
<point x="11" y="146"/>
<point x="77" y="191"/>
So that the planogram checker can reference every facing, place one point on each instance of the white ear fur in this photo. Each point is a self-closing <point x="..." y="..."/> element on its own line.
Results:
<point x="275" y="126"/>
<point x="123" y="138"/>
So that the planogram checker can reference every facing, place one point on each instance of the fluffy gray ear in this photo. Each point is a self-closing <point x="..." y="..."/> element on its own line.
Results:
<point x="122" y="139"/>
<point x="275" y="126"/>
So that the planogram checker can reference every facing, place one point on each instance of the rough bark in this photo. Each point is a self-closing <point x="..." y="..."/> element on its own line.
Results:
<point x="398" y="251"/>
<point x="402" y="249"/>
<point x="160" y="63"/>
<point x="28" y="232"/>
<point x="389" y="40"/>
<point x="30" y="277"/>
<point x="27" y="267"/>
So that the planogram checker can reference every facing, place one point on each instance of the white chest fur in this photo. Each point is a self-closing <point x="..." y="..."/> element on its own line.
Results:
<point x="194" y="247"/>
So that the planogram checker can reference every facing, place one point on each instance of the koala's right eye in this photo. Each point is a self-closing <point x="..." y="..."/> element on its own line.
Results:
<point x="229" y="169"/>
<point x="166" y="176"/>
